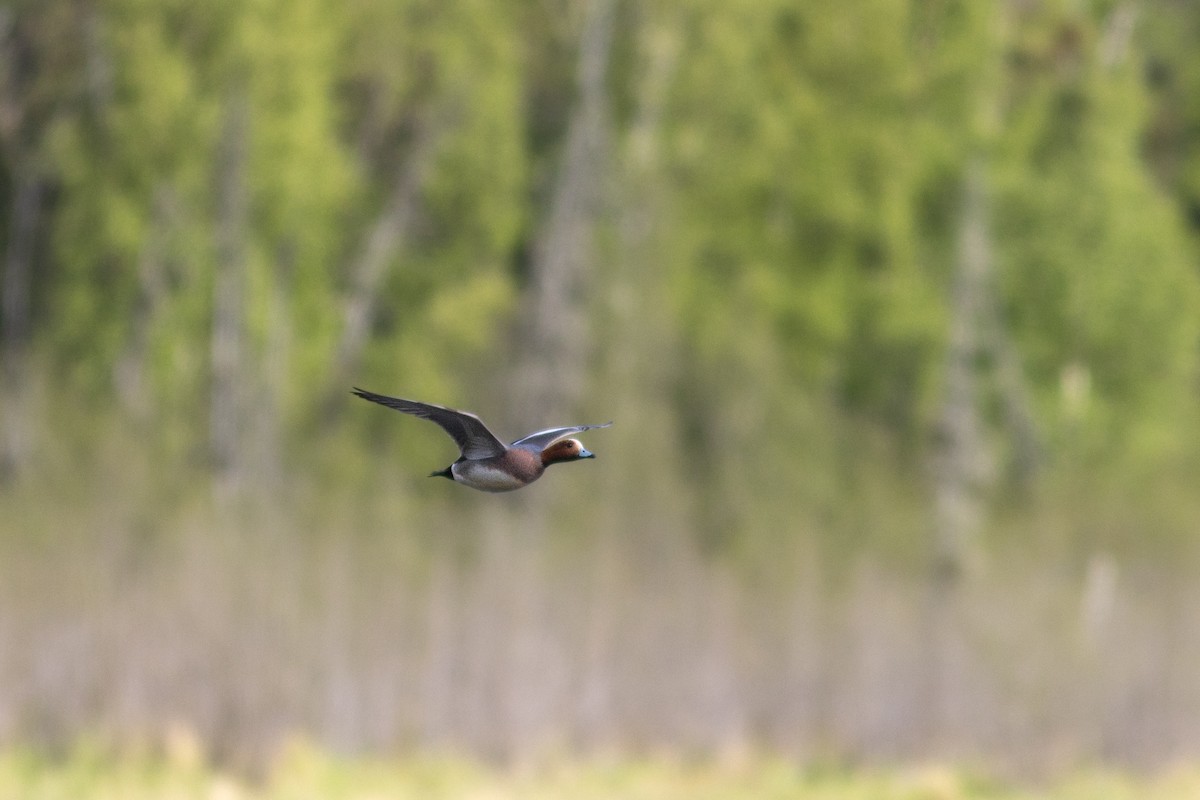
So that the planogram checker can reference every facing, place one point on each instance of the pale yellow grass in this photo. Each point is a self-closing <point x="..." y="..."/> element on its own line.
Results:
<point x="303" y="772"/>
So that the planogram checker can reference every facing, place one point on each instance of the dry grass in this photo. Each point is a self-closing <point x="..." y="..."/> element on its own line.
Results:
<point x="373" y="624"/>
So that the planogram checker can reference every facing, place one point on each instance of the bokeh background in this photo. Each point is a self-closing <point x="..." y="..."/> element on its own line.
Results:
<point x="895" y="305"/>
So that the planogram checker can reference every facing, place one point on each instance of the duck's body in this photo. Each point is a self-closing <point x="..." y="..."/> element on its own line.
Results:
<point x="486" y="463"/>
<point x="513" y="470"/>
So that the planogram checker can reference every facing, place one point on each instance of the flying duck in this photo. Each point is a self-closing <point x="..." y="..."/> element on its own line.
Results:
<point x="487" y="463"/>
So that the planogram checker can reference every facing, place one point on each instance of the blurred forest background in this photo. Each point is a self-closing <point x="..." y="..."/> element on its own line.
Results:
<point x="896" y="306"/>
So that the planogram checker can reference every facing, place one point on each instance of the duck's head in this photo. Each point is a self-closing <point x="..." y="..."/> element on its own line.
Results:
<point x="565" y="450"/>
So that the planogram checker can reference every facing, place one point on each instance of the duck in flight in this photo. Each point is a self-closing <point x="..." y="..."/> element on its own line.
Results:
<point x="487" y="463"/>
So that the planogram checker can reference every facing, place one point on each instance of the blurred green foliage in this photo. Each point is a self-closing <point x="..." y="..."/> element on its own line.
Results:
<point x="808" y="163"/>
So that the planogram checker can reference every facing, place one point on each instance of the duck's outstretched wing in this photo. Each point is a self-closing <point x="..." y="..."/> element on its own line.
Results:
<point x="467" y="430"/>
<point x="539" y="441"/>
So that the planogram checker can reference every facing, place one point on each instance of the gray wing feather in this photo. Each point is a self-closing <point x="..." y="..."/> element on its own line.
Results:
<point x="539" y="441"/>
<point x="467" y="430"/>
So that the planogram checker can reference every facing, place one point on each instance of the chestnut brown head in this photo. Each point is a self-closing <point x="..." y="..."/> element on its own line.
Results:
<point x="565" y="450"/>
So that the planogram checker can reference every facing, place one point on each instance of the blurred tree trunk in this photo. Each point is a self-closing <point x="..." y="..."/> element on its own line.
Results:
<point x="369" y="270"/>
<point x="14" y="307"/>
<point x="267" y="412"/>
<point x="1025" y="442"/>
<point x="640" y="345"/>
<point x="152" y="291"/>
<point x="227" y="420"/>
<point x="552" y="344"/>
<point x="962" y="464"/>
<point x="24" y="207"/>
<point x="98" y="61"/>
<point x="1118" y="33"/>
